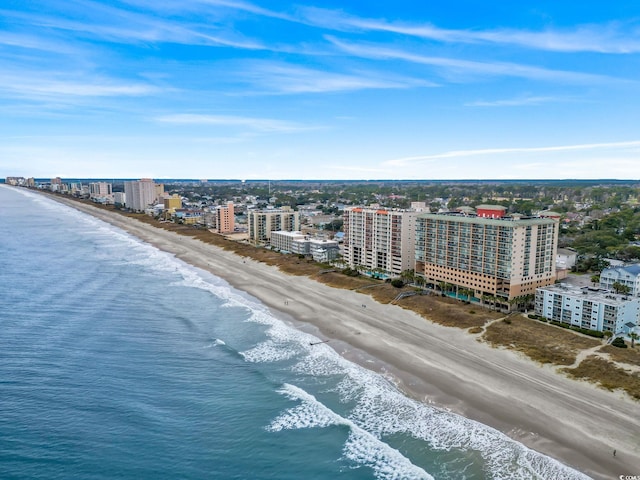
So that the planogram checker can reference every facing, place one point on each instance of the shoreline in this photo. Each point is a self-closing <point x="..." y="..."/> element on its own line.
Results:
<point x="574" y="422"/>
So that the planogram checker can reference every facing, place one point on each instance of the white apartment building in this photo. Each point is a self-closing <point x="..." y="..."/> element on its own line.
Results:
<point x="323" y="251"/>
<point x="119" y="199"/>
<point x="140" y="194"/>
<point x="487" y="252"/>
<point x="297" y="243"/>
<point x="590" y="308"/>
<point x="262" y="222"/>
<point x="566" y="259"/>
<point x="377" y="238"/>
<point x="628" y="275"/>
<point x="289" y="242"/>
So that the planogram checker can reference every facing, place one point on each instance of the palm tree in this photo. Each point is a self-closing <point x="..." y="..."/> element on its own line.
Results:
<point x="466" y="292"/>
<point x="514" y="301"/>
<point x="633" y="336"/>
<point x="407" y="276"/>
<point x="487" y="297"/>
<point x="621" y="288"/>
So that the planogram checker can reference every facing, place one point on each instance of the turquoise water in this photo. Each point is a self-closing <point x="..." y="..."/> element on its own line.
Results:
<point x="120" y="361"/>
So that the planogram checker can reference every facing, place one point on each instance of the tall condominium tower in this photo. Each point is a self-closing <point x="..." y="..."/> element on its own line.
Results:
<point x="379" y="239"/>
<point x="262" y="222"/>
<point x="487" y="252"/>
<point x="225" y="218"/>
<point x="100" y="189"/>
<point x="140" y="194"/>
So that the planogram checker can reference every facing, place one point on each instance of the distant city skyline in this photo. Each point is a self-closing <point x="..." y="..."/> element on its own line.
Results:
<point x="215" y="89"/>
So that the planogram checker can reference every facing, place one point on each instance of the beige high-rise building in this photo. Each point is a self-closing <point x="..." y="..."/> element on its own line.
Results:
<point x="488" y="252"/>
<point x="225" y="218"/>
<point x="262" y="222"/>
<point x="140" y="194"/>
<point x="379" y="239"/>
<point x="100" y="189"/>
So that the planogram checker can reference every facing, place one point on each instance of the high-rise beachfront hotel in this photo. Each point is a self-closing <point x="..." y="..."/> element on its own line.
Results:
<point x="379" y="239"/>
<point x="487" y="252"/>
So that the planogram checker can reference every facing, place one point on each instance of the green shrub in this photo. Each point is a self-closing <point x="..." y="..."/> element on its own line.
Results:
<point x="584" y="331"/>
<point x="619" y="342"/>
<point x="350" y="272"/>
<point x="397" y="282"/>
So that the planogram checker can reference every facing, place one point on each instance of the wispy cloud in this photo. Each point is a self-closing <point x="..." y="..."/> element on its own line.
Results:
<point x="31" y="42"/>
<point x="121" y="26"/>
<point x="253" y="123"/>
<point x="519" y="101"/>
<point x="280" y="78"/>
<point x="611" y="37"/>
<point x="57" y="84"/>
<point x="502" y="151"/>
<point x="453" y="66"/>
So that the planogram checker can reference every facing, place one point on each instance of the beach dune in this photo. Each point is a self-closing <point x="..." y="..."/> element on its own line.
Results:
<point x="574" y="422"/>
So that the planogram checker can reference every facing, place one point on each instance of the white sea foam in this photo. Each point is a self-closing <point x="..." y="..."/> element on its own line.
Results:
<point x="216" y="343"/>
<point x="380" y="409"/>
<point x="267" y="352"/>
<point x="361" y="447"/>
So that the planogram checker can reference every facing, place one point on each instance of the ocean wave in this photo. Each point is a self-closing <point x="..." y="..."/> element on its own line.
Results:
<point x="378" y="407"/>
<point x="360" y="447"/>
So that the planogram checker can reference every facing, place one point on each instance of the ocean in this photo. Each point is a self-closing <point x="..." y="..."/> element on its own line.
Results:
<point x="118" y="360"/>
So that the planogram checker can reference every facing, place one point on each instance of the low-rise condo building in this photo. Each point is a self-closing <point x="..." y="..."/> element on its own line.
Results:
<point x="590" y="308"/>
<point x="289" y="242"/>
<point x="627" y="275"/>
<point x="321" y="250"/>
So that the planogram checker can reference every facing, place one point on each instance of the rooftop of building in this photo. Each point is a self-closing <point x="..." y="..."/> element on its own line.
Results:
<point x="374" y="209"/>
<point x="491" y="207"/>
<point x="632" y="269"/>
<point x="515" y="219"/>
<point x="286" y="233"/>
<point x="594" y="294"/>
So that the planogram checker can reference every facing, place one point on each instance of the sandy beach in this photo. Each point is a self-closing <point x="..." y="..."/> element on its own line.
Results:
<point x="574" y="422"/>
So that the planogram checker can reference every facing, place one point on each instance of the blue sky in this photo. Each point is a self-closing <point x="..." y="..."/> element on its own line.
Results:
<point x="337" y="90"/>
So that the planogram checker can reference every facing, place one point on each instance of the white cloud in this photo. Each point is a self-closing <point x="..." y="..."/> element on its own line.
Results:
<point x="453" y="66"/>
<point x="258" y="124"/>
<point x="518" y="102"/>
<point x="121" y="26"/>
<point x="282" y="78"/>
<point x="503" y="151"/>
<point x="611" y="37"/>
<point x="56" y="84"/>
